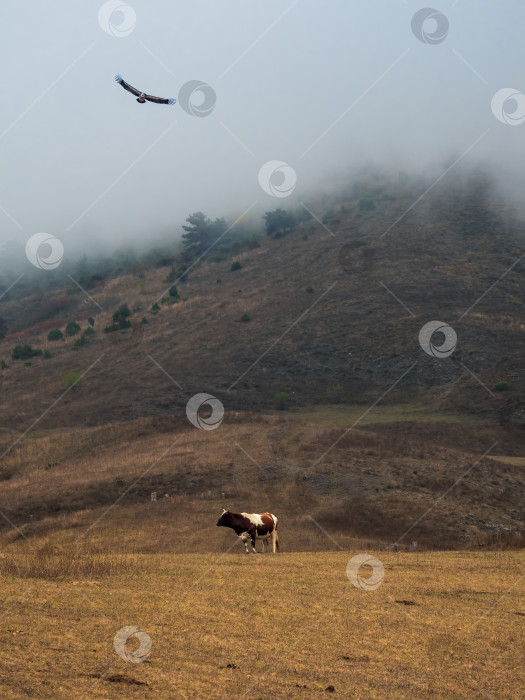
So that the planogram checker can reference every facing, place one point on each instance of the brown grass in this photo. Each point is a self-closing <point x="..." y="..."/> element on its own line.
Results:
<point x="283" y="626"/>
<point x="56" y="563"/>
<point x="94" y="484"/>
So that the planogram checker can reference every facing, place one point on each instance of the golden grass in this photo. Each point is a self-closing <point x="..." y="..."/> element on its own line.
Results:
<point x="283" y="626"/>
<point x="514" y="461"/>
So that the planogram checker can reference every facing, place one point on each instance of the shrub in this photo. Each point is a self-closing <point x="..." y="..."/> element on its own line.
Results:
<point x="73" y="379"/>
<point x="155" y="308"/>
<point x="281" y="400"/>
<point x="501" y="386"/>
<point x="121" y="315"/>
<point x="47" y="355"/>
<point x="171" y="276"/>
<point x="236" y="265"/>
<point x="72" y="328"/>
<point x="178" y="273"/>
<point x="88" y="331"/>
<point x="120" y="319"/>
<point x="3" y="328"/>
<point x="279" y="221"/>
<point x="3" y="364"/>
<point x="91" y="321"/>
<point x="245" y="318"/>
<point x="55" y="334"/>
<point x="173" y="296"/>
<point x="80" y="342"/>
<point x="112" y="328"/>
<point x="219" y="281"/>
<point x="24" y="352"/>
<point x="309" y="290"/>
<point x="144" y="320"/>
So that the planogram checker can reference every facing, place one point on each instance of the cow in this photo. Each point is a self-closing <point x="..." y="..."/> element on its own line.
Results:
<point x="252" y="526"/>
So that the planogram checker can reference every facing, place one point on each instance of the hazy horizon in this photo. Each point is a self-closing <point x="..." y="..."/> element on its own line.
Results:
<point x="324" y="89"/>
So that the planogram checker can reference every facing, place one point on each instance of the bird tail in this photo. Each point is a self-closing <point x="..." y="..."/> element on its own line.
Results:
<point x="172" y="101"/>
<point x="118" y="78"/>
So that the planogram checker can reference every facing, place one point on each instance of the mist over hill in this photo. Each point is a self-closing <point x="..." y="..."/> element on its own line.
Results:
<point x="333" y="304"/>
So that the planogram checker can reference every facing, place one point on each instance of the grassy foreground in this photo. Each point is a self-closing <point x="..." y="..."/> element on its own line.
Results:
<point x="263" y="626"/>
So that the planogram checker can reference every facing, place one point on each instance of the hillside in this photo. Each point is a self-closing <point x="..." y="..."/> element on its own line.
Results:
<point x="334" y="310"/>
<point x="347" y="339"/>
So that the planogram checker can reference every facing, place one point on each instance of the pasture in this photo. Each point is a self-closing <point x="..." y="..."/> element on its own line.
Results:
<point x="292" y="625"/>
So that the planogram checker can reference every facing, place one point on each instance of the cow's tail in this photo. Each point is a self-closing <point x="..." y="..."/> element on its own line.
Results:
<point x="275" y="537"/>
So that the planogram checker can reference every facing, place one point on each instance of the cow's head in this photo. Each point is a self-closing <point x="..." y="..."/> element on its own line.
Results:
<point x="225" y="518"/>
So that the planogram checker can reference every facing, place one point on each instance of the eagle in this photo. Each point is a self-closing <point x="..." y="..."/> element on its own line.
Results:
<point x="142" y="96"/>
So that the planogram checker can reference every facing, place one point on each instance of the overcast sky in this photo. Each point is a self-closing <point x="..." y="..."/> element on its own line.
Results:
<point x="323" y="86"/>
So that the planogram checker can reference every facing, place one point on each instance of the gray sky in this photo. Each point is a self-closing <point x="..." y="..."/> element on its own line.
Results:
<point x="323" y="86"/>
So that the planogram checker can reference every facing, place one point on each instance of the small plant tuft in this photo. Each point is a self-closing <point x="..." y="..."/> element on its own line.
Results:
<point x="281" y="400"/>
<point x="501" y="386"/>
<point x="72" y="379"/>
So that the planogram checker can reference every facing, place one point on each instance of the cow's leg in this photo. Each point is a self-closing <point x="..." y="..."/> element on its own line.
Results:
<point x="275" y="540"/>
<point x="244" y="538"/>
<point x="253" y="544"/>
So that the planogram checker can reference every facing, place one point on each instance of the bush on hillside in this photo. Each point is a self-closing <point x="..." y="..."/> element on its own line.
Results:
<point x="55" y="334"/>
<point x="279" y="221"/>
<point x="24" y="352"/>
<point x="120" y="319"/>
<point x="72" y="328"/>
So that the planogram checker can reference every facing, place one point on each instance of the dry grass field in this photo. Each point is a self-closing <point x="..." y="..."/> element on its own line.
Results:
<point x="385" y="483"/>
<point x="440" y="625"/>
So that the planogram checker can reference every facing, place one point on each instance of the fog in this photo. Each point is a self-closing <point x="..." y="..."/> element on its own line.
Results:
<point x="325" y="87"/>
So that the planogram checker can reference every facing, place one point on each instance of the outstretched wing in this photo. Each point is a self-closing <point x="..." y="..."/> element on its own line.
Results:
<point x="127" y="86"/>
<point x="161" y="100"/>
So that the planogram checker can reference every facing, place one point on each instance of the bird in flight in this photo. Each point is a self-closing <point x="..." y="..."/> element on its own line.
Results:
<point x="142" y="96"/>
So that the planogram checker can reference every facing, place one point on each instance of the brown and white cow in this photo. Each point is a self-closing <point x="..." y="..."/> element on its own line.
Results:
<point x="252" y="526"/>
